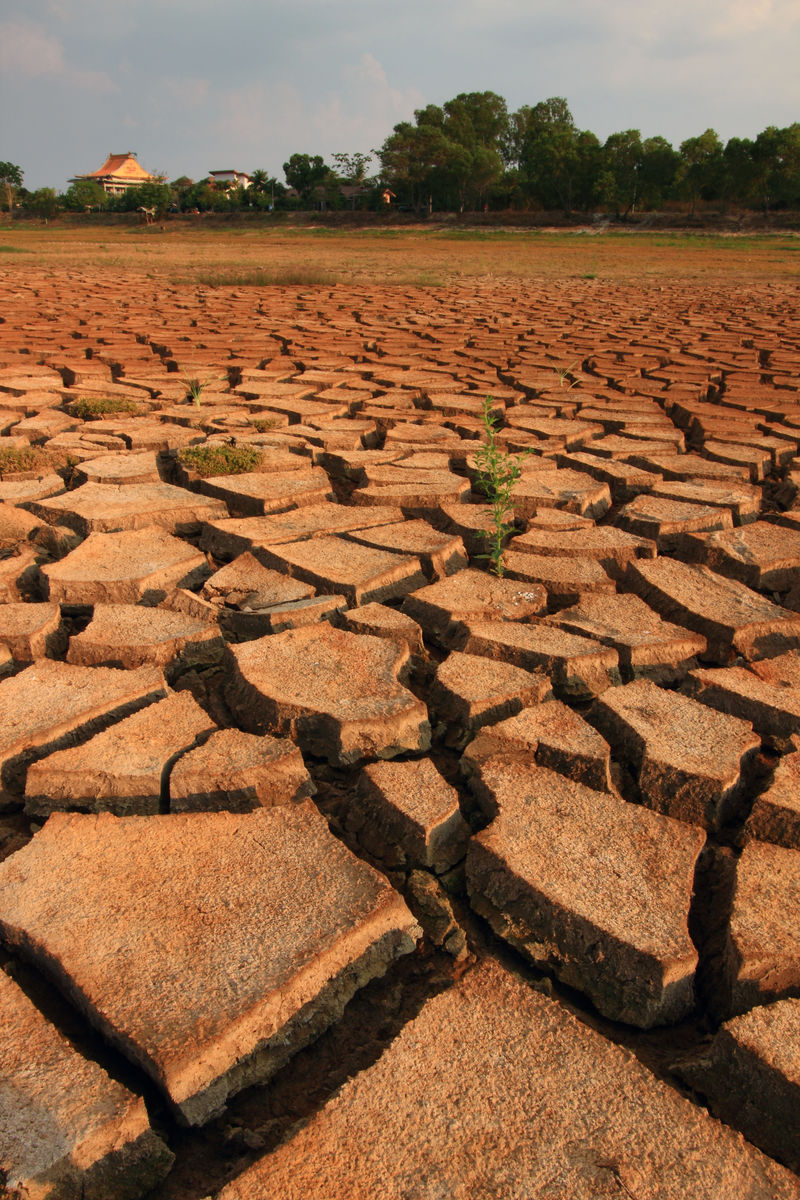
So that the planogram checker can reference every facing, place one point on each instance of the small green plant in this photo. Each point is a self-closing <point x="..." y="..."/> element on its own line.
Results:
<point x="263" y="426"/>
<point x="220" y="459"/>
<point x="563" y="374"/>
<point x="195" y="386"/>
<point x="95" y="408"/>
<point x="498" y="472"/>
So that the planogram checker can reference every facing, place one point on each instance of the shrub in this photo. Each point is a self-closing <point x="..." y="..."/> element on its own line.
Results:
<point x="31" y="461"/>
<point x="18" y="460"/>
<point x="220" y="459"/>
<point x="95" y="408"/>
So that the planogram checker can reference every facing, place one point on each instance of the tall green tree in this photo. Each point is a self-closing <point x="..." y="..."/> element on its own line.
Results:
<point x="589" y="165"/>
<point x="10" y="181"/>
<point x="776" y="158"/>
<point x="264" y="191"/>
<point x="477" y="124"/>
<point x="701" y="167"/>
<point x="44" y="203"/>
<point x="450" y="157"/>
<point x="83" y="195"/>
<point x="146" y="195"/>
<point x="739" y="172"/>
<point x="352" y="167"/>
<point x="619" y="182"/>
<point x="657" y="171"/>
<point x="543" y="144"/>
<point x="419" y="161"/>
<point x="305" y="173"/>
<point x="181" y="189"/>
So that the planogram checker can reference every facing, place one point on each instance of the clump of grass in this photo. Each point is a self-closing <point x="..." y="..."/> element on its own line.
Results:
<point x="28" y="462"/>
<point x="263" y="426"/>
<point x="95" y="408"/>
<point x="220" y="459"/>
<point x="297" y="276"/>
<point x="498" y="472"/>
<point x="21" y="460"/>
<point x="14" y="250"/>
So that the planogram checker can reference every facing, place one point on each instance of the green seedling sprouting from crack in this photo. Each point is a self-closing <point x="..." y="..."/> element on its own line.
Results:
<point x="196" y="386"/>
<point x="498" y="472"/>
<point x="563" y="374"/>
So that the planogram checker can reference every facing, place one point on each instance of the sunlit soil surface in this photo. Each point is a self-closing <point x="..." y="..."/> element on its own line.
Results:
<point x="609" y="731"/>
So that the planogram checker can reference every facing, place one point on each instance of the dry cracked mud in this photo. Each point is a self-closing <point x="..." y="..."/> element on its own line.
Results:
<point x="333" y="864"/>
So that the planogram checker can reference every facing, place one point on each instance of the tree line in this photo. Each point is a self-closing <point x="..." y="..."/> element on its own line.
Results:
<point x="472" y="154"/>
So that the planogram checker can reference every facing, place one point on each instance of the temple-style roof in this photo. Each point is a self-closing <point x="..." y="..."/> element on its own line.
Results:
<point x="118" y="172"/>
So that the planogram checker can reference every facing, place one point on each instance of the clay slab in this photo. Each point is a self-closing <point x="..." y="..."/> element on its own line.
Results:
<point x="496" y="1091"/>
<point x="124" y="568"/>
<point x="291" y="683"/>
<point x="591" y="887"/>
<point x="123" y="769"/>
<point x="207" y="947"/>
<point x="51" y="705"/>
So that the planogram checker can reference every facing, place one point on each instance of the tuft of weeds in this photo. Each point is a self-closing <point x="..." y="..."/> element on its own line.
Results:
<point x="95" y="408"/>
<point x="264" y="426"/>
<point x="498" y="472"/>
<point x="23" y="460"/>
<point x="220" y="459"/>
<point x="5" y="249"/>
<point x="29" y="462"/>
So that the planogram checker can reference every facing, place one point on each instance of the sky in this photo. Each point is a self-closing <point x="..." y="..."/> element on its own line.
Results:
<point x="193" y="86"/>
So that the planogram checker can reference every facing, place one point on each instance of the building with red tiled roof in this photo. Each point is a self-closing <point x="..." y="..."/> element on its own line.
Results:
<point x="118" y="173"/>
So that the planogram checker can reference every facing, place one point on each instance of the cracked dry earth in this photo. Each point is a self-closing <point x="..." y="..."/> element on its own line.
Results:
<point x="334" y="865"/>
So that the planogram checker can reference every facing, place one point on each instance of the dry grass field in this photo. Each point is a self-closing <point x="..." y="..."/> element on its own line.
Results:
<point x="424" y="256"/>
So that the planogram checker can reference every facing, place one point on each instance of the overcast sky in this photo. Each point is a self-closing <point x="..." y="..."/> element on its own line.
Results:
<point x="198" y="85"/>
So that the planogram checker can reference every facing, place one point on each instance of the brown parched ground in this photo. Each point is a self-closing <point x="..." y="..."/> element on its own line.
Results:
<point x="333" y="864"/>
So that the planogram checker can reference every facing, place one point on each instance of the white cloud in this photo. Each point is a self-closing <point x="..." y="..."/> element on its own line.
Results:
<point x="277" y="119"/>
<point x="28" y="50"/>
<point x="188" y="91"/>
<point x="370" y="82"/>
<point x="249" y="114"/>
<point x="689" y="25"/>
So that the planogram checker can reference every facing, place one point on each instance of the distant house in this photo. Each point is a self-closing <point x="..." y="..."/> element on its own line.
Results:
<point x="118" y="173"/>
<point x="225" y="180"/>
<point x="353" y="192"/>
